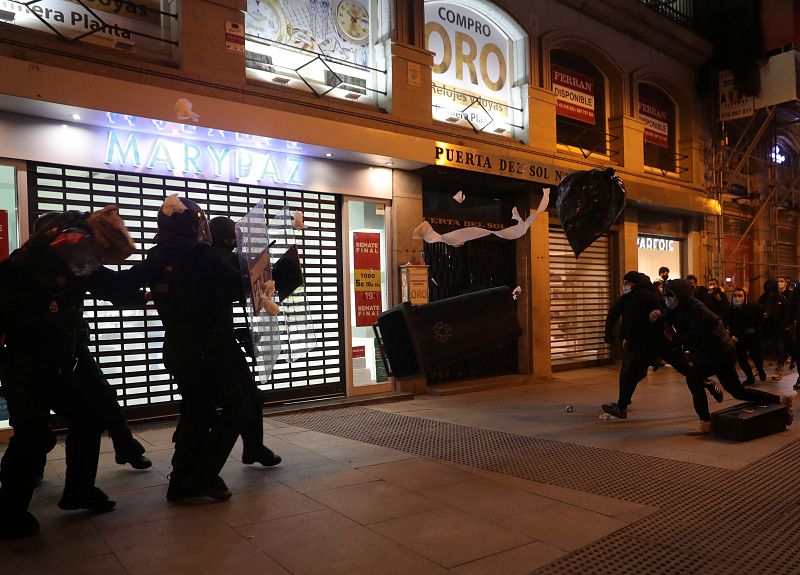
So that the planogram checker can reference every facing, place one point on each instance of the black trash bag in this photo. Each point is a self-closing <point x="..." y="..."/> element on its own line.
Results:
<point x="589" y="202"/>
<point x="287" y="273"/>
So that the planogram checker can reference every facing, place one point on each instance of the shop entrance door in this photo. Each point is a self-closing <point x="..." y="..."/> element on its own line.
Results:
<point x="128" y="343"/>
<point x="9" y="234"/>
<point x="477" y="265"/>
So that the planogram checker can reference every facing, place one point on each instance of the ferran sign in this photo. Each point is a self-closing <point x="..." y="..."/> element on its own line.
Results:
<point x="146" y="153"/>
<point x="472" y="67"/>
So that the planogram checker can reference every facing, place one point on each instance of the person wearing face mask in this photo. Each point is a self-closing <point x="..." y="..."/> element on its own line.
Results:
<point x="776" y="310"/>
<point x="642" y="342"/>
<point x="663" y="273"/>
<point x="715" y="299"/>
<point x="743" y="321"/>
<point x="692" y="325"/>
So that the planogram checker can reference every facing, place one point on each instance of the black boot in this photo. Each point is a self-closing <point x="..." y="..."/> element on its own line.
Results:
<point x="16" y="526"/>
<point x="263" y="455"/>
<point x="93" y="500"/>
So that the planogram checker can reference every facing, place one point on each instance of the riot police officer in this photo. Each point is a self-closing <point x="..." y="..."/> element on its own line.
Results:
<point x="41" y="301"/>
<point x="193" y="287"/>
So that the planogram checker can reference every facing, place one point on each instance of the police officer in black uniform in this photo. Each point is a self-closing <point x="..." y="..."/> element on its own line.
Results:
<point x="193" y="287"/>
<point x="127" y="449"/>
<point x="223" y="235"/>
<point x="41" y="303"/>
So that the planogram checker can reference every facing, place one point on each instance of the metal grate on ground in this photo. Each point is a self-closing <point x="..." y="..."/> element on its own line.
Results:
<point x="710" y="520"/>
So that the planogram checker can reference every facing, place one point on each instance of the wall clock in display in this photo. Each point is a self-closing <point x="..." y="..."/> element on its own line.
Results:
<point x="352" y="21"/>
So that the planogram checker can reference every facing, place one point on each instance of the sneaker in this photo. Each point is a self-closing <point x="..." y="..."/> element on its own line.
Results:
<point x="16" y="526"/>
<point x="787" y="402"/>
<point x="93" y="500"/>
<point x="615" y="410"/>
<point x="762" y="374"/>
<point x="702" y="429"/>
<point x="137" y="461"/>
<point x="264" y="455"/>
<point x="716" y="392"/>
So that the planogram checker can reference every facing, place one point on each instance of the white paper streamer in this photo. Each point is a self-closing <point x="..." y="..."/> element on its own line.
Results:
<point x="458" y="238"/>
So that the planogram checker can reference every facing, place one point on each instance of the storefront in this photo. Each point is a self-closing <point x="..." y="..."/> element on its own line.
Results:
<point x="97" y="158"/>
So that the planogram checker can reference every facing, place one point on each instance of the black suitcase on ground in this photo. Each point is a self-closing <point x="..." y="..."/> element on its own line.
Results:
<point x="420" y="339"/>
<point x="749" y="420"/>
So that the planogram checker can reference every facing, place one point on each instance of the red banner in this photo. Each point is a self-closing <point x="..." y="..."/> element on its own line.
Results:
<point x="574" y="94"/>
<point x="367" y="277"/>
<point x="4" y="241"/>
<point x="656" y="125"/>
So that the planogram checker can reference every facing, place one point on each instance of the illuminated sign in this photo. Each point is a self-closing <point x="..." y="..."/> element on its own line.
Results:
<point x="133" y="26"/>
<point x="164" y="155"/>
<point x="472" y="76"/>
<point x="480" y="161"/>
<point x="658" y="244"/>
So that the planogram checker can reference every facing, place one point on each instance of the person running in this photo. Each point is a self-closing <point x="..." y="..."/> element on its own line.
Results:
<point x="698" y="330"/>
<point x="642" y="341"/>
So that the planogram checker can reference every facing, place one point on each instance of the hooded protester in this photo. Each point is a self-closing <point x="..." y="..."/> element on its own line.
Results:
<point x="193" y="288"/>
<point x="642" y="341"/>
<point x="699" y="331"/>
<point x="223" y="234"/>
<point x="743" y="321"/>
<point x="43" y="333"/>
<point x="776" y="310"/>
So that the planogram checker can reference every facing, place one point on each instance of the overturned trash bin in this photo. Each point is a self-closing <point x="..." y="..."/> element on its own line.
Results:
<point x="420" y="339"/>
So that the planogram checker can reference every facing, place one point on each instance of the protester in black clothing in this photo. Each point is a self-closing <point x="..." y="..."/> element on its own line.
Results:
<point x="776" y="313"/>
<point x="743" y="321"/>
<point x="663" y="273"/>
<point x="714" y="298"/>
<point x="41" y="305"/>
<point x="193" y="287"/>
<point x="692" y="279"/>
<point x="223" y="234"/>
<point x="642" y="341"/>
<point x="702" y="333"/>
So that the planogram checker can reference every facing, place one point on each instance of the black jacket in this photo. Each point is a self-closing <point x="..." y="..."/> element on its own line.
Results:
<point x="775" y="306"/>
<point x="192" y="286"/>
<point x="697" y="328"/>
<point x="720" y="307"/>
<point x="745" y="320"/>
<point x="634" y="307"/>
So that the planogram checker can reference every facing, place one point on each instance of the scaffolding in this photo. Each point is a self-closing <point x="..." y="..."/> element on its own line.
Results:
<point x="755" y="174"/>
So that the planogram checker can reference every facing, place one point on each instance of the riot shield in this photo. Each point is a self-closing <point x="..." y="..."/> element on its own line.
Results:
<point x="296" y="325"/>
<point x="252" y="240"/>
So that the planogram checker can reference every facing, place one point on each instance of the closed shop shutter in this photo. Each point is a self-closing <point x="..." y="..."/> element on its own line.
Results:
<point x="128" y="343"/>
<point x="580" y="295"/>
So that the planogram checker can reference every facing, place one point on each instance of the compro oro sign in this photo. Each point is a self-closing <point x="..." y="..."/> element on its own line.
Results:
<point x="479" y="65"/>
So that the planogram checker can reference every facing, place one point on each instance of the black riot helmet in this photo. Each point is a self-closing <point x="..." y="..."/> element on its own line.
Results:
<point x="182" y="220"/>
<point x="223" y="232"/>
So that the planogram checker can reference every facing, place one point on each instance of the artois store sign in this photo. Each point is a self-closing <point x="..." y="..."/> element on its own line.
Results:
<point x="472" y="67"/>
<point x="141" y="26"/>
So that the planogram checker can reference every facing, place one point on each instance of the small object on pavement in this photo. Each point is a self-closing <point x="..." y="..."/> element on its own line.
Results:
<point x="569" y="409"/>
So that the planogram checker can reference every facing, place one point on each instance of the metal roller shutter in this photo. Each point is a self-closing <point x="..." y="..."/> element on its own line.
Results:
<point x="580" y="295"/>
<point x="127" y="343"/>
